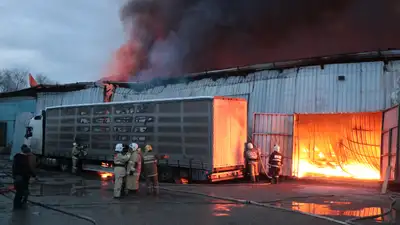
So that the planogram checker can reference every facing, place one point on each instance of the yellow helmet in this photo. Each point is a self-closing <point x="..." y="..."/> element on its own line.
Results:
<point x="148" y="148"/>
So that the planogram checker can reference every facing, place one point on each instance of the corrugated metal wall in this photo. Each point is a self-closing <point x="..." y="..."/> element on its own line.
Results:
<point x="367" y="87"/>
<point x="271" y="129"/>
<point x="91" y="95"/>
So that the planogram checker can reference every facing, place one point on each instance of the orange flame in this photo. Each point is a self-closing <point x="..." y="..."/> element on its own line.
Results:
<point x="105" y="175"/>
<point x="338" y="145"/>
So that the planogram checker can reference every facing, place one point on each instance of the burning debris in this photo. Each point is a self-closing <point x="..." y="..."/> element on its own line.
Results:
<point x="338" y="145"/>
<point x="168" y="37"/>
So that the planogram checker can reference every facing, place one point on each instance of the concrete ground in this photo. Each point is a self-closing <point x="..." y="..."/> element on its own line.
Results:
<point x="92" y="197"/>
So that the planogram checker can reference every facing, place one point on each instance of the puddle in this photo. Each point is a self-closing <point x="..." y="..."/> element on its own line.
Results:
<point x="72" y="189"/>
<point x="224" y="209"/>
<point x="339" y="209"/>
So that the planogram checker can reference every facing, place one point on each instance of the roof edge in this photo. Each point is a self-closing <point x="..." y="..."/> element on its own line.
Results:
<point x="371" y="56"/>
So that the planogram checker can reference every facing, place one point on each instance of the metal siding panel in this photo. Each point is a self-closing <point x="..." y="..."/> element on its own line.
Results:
<point x="271" y="129"/>
<point x="372" y="87"/>
<point x="348" y="92"/>
<point x="392" y="83"/>
<point x="305" y="90"/>
<point x="90" y="95"/>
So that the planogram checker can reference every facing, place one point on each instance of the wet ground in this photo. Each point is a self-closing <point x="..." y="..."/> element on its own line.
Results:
<point x="92" y="197"/>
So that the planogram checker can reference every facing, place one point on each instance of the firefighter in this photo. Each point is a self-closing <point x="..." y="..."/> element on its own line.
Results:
<point x="151" y="170"/>
<point x="120" y="160"/>
<point x="22" y="172"/>
<point x="78" y="153"/>
<point x="275" y="164"/>
<point x="252" y="158"/>
<point x="133" y="169"/>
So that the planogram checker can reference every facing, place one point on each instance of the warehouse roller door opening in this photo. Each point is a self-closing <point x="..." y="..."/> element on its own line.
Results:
<point x="338" y="146"/>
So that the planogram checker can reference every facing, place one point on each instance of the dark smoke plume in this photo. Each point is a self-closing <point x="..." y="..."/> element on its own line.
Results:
<point x="172" y="37"/>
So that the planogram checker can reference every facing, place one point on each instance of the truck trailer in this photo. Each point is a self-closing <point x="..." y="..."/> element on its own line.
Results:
<point x="204" y="137"/>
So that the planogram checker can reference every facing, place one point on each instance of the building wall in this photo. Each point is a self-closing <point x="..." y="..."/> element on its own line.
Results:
<point x="367" y="87"/>
<point x="10" y="108"/>
<point x="90" y="95"/>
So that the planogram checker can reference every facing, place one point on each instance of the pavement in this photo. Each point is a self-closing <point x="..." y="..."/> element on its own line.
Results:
<point x="91" y="196"/>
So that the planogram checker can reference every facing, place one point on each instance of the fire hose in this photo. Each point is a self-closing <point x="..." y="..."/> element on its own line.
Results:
<point x="266" y="205"/>
<point x="234" y="200"/>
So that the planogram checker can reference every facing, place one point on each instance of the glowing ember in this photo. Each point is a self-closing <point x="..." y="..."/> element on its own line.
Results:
<point x="106" y="175"/>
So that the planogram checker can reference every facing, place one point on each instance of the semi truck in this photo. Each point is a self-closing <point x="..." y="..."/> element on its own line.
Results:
<point x="204" y="137"/>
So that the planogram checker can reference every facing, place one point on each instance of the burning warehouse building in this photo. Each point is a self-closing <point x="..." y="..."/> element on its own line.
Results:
<point x="215" y="34"/>
<point x="328" y="118"/>
<point x="325" y="111"/>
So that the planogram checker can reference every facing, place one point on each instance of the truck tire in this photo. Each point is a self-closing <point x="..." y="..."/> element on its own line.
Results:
<point x="165" y="174"/>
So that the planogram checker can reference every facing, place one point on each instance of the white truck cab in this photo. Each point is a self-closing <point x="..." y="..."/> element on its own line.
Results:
<point x="34" y="135"/>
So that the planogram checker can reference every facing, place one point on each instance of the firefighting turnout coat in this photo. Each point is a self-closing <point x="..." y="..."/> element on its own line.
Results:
<point x="275" y="159"/>
<point x="78" y="152"/>
<point x="252" y="155"/>
<point x="150" y="164"/>
<point x="135" y="166"/>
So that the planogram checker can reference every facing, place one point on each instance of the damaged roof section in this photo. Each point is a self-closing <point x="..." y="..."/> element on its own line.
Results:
<point x="33" y="91"/>
<point x="140" y="86"/>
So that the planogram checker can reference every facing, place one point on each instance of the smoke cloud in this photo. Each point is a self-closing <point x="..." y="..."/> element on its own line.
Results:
<point x="172" y="37"/>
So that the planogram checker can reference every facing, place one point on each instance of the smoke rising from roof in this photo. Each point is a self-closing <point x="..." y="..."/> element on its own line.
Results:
<point x="172" y="37"/>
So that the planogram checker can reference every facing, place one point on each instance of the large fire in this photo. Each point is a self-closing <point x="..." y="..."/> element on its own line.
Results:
<point x="338" y="145"/>
<point x="331" y="169"/>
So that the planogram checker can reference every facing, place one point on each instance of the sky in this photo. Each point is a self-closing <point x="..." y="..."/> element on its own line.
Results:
<point x="69" y="41"/>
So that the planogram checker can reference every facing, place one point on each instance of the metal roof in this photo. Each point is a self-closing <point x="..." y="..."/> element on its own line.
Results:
<point x="32" y="91"/>
<point x="135" y="102"/>
<point x="279" y="66"/>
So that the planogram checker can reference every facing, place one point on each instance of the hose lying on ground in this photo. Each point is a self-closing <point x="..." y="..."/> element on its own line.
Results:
<point x="247" y="202"/>
<point x="352" y="221"/>
<point x="241" y="201"/>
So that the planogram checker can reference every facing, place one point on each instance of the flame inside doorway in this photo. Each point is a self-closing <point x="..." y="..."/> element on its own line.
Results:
<point x="338" y="145"/>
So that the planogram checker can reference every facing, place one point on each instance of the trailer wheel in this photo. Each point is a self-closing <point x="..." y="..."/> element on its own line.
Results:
<point x="165" y="174"/>
<point x="64" y="165"/>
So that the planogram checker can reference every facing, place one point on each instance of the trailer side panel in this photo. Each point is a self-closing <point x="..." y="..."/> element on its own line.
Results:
<point x="178" y="128"/>
<point x="229" y="132"/>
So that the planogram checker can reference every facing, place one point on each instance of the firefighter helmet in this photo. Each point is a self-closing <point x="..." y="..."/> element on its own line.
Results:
<point x="134" y="146"/>
<point x="148" y="148"/>
<point x="277" y="148"/>
<point x="119" y="147"/>
<point x="250" y="146"/>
